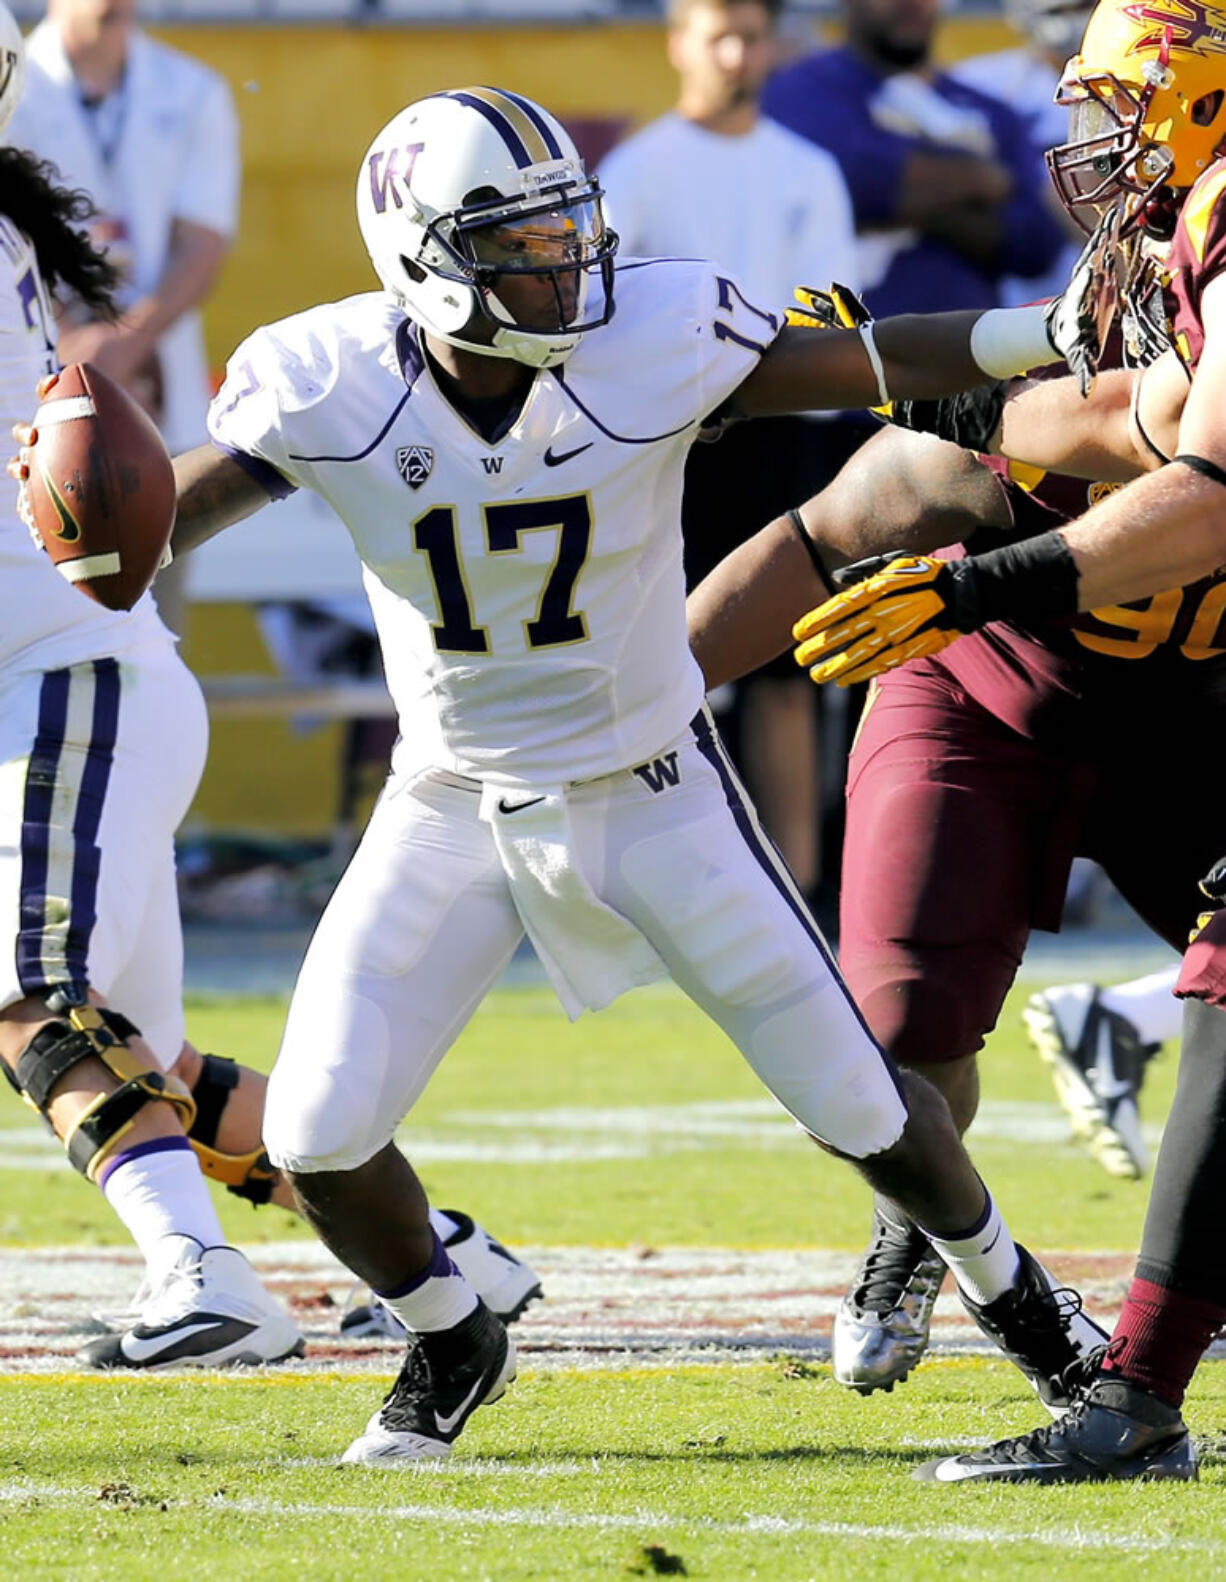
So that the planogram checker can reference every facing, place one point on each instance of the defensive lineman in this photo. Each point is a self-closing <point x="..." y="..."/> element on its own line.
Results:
<point x="503" y="429"/>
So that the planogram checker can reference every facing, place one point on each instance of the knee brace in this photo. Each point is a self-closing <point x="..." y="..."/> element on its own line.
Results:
<point x="252" y="1175"/>
<point x="89" y="1032"/>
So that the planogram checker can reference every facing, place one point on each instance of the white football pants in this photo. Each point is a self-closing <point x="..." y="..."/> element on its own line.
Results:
<point x="98" y="764"/>
<point x="423" y="923"/>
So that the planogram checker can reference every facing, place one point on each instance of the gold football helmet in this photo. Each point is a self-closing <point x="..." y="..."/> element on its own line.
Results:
<point x="1145" y="95"/>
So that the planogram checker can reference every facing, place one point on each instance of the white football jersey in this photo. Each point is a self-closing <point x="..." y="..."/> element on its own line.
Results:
<point x="528" y="592"/>
<point x="47" y="622"/>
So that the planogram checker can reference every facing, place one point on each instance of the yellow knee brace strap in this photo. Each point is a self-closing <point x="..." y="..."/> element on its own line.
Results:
<point x="251" y="1175"/>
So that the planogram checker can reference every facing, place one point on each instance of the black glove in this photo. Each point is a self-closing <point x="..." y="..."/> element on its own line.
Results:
<point x="969" y="419"/>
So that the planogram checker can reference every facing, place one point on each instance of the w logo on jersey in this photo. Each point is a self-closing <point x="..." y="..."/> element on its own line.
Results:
<point x="660" y="772"/>
<point x="414" y="463"/>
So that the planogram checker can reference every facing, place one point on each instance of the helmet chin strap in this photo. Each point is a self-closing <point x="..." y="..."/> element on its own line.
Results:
<point x="508" y="339"/>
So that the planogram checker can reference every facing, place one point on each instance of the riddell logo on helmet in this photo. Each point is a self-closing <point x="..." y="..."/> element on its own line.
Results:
<point x="554" y="176"/>
<point x="388" y="167"/>
<point x="1187" y="21"/>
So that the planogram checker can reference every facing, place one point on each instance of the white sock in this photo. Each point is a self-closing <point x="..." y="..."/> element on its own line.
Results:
<point x="442" y="1225"/>
<point x="437" y="1297"/>
<point x="1149" y="1005"/>
<point x="983" y="1259"/>
<point x="157" y="1190"/>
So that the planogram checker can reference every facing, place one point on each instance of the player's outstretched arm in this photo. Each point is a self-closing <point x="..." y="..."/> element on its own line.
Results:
<point x="214" y="491"/>
<point x="1128" y="425"/>
<point x="917" y="355"/>
<point x="899" y="491"/>
<point x="1165" y="530"/>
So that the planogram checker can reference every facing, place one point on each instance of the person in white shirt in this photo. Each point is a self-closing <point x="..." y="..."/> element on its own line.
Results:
<point x="503" y="430"/>
<point x="152" y="136"/>
<point x="714" y="178"/>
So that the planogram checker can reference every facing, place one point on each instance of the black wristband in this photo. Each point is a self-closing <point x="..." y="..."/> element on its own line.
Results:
<point x="823" y="576"/>
<point x="969" y="419"/>
<point x="1030" y="581"/>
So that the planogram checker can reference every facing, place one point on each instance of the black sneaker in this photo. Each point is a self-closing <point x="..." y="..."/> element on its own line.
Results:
<point x="1040" y="1327"/>
<point x="1113" y="1432"/>
<point x="446" y="1376"/>
<point x="881" y="1327"/>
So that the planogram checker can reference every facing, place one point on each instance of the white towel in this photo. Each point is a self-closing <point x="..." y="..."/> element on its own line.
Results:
<point x="591" y="953"/>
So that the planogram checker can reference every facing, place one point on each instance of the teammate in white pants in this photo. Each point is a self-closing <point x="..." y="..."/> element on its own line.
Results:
<point x="503" y="430"/>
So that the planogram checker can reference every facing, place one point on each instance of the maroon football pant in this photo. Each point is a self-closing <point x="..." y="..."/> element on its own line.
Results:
<point x="961" y="833"/>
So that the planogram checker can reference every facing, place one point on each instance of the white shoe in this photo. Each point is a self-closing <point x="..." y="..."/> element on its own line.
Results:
<point x="503" y="1282"/>
<point x="205" y="1308"/>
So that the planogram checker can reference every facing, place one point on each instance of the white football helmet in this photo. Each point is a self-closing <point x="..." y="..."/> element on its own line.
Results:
<point x="12" y="64"/>
<point x="477" y="189"/>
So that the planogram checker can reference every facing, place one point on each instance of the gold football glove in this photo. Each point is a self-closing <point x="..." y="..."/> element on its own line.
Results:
<point x="839" y="308"/>
<point x="907" y="606"/>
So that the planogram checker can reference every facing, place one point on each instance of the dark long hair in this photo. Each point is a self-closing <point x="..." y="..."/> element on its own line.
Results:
<point x="51" y="216"/>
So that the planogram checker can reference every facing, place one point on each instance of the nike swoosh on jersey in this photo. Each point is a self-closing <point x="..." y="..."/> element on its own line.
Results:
<point x="552" y="460"/>
<point x="517" y="807"/>
<point x="139" y="1348"/>
<point x="446" y="1424"/>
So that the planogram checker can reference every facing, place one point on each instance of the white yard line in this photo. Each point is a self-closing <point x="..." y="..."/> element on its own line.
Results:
<point x="643" y="1522"/>
<point x="562" y="1134"/>
<point x="749" y="1526"/>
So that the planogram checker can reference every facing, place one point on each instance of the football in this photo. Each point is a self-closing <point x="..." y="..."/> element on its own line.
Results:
<point x="101" y="487"/>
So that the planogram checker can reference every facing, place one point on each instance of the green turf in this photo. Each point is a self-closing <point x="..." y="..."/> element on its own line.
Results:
<point x="758" y="1470"/>
<point x="651" y="1049"/>
<point x="763" y="1471"/>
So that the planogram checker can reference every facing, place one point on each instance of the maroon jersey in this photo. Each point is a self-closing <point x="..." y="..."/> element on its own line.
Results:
<point x="1197" y="255"/>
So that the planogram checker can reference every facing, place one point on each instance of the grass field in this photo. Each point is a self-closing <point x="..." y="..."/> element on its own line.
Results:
<point x="674" y="1408"/>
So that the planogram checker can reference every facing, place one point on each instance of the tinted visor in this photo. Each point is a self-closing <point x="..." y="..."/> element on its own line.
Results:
<point x="567" y="237"/>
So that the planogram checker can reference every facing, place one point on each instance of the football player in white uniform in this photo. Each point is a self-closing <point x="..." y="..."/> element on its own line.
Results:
<point x="102" y="740"/>
<point x="503" y="430"/>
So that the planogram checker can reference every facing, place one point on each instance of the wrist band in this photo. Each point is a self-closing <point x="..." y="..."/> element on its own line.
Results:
<point x="1009" y="341"/>
<point x="874" y="359"/>
<point x="1033" y="580"/>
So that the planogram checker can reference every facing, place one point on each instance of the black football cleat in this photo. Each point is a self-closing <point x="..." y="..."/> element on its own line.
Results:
<point x="1041" y="1328"/>
<point x="1113" y="1432"/>
<point x="446" y="1376"/>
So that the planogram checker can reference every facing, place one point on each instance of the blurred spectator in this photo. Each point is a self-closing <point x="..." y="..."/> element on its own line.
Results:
<point x="152" y="136"/>
<point x="1026" y="78"/>
<point x="949" y="190"/>
<point x="715" y="179"/>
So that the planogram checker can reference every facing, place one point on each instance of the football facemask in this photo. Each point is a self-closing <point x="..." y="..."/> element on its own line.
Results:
<point x="532" y="268"/>
<point x="1146" y="94"/>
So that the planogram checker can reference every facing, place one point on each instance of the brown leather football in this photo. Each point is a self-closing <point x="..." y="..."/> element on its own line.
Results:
<point x="101" y="487"/>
